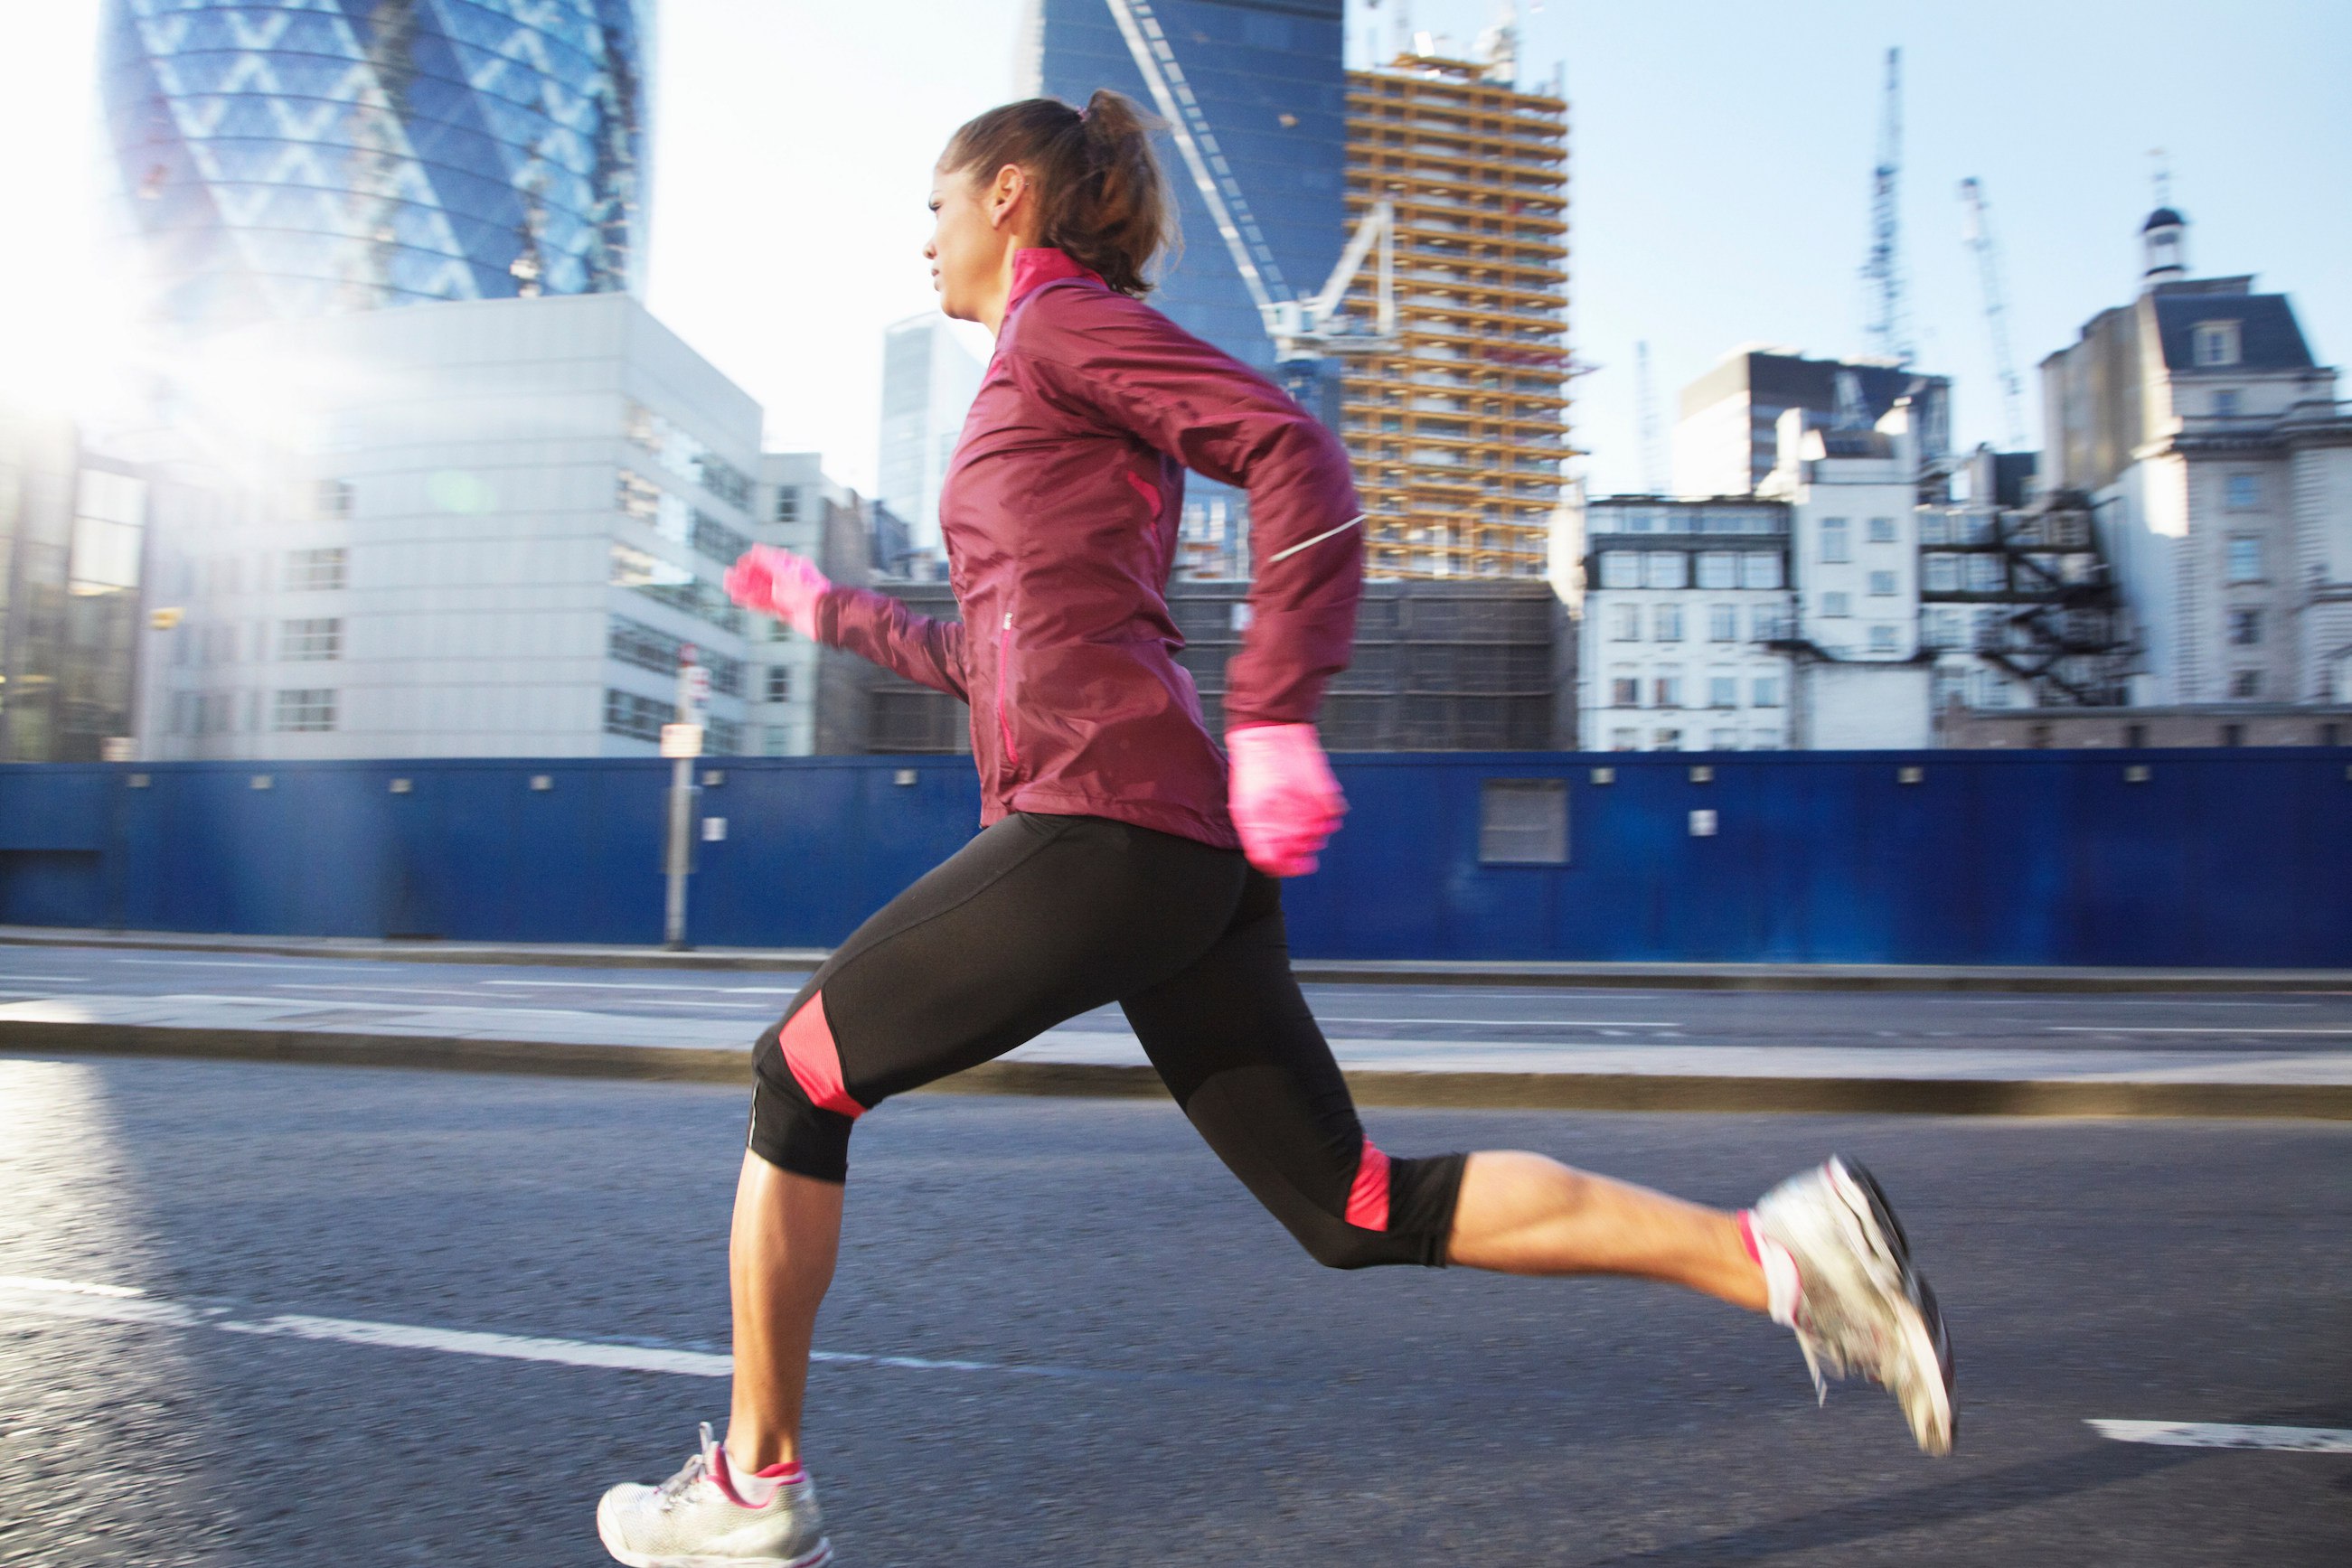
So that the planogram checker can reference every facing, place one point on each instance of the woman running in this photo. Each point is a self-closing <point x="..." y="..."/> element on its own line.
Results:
<point x="1124" y="859"/>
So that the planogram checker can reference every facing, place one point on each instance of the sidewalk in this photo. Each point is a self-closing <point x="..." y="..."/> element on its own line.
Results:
<point x="1957" y="1079"/>
<point x="1728" y="977"/>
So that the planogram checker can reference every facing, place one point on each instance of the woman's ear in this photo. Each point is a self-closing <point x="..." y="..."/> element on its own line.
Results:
<point x="1004" y="195"/>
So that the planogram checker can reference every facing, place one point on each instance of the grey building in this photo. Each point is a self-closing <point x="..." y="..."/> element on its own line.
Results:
<point x="1727" y="439"/>
<point x="73" y="527"/>
<point x="2197" y="428"/>
<point x="1437" y="667"/>
<point x="928" y="380"/>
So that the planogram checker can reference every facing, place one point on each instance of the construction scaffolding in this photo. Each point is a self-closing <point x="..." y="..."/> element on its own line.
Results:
<point x="1458" y="431"/>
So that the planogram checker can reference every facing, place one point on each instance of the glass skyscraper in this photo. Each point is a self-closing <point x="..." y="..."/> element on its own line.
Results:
<point x="1258" y="89"/>
<point x="295" y="157"/>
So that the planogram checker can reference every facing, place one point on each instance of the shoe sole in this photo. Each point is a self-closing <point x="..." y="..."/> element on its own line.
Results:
<point x="1926" y="1342"/>
<point x="817" y="1558"/>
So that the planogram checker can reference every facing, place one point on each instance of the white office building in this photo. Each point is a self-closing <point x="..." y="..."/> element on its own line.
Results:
<point x="2197" y="426"/>
<point x="481" y="529"/>
<point x="1789" y="620"/>
<point x="928" y="380"/>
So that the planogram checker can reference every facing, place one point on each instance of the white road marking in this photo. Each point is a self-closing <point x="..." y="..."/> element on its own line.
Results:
<point x="645" y="986"/>
<point x="1506" y="1023"/>
<point x="2184" y="1029"/>
<point x="2222" y="1435"/>
<point x="123" y="1304"/>
<point x="46" y="979"/>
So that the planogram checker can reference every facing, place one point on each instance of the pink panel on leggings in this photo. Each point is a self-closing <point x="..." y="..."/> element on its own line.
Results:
<point x="1367" y="1200"/>
<point x="815" y="1061"/>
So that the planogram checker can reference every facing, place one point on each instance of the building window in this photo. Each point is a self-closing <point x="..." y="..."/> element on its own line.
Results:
<point x="1668" y="624"/>
<point x="639" y="718"/>
<point x="1667" y="569"/>
<point x="1722" y="624"/>
<point x="306" y="710"/>
<point x="310" y="570"/>
<point x="1836" y="606"/>
<point x="1625" y="691"/>
<point x="1666" y="691"/>
<point x="1625" y="623"/>
<point x="334" y="498"/>
<point x="310" y="641"/>
<point x="1941" y="573"/>
<point x="2244" y="492"/>
<point x="1722" y="691"/>
<point x="1621" y="569"/>
<point x="1764" y="691"/>
<point x="2245" y="559"/>
<point x="1625" y="741"/>
<point x="1837" y="542"/>
<point x="2215" y="343"/>
<point x="2134" y="735"/>
<point x="1759" y="569"/>
<point x="1766" y="622"/>
<point x="1523" y="821"/>
<point x="1985" y="574"/>
<point x="788" y="505"/>
<point x="2234" y="734"/>
<point x="1765" y="740"/>
<point x="2246" y="683"/>
<point x="2245" y="627"/>
<point x="1882" y="584"/>
<point x="773" y="740"/>
<point x="1718" y="568"/>
<point x="1666" y="740"/>
<point x="2225" y="405"/>
<point x="1881" y="530"/>
<point x="1883" y="640"/>
<point x="716" y="539"/>
<point x="778" y="686"/>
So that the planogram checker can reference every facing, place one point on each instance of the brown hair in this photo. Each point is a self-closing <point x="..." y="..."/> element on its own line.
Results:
<point x="1104" y="201"/>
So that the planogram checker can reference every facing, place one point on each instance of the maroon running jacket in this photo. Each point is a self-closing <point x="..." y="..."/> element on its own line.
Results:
<point x="1060" y="511"/>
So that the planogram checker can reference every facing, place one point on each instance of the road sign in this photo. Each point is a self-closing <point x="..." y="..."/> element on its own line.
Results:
<point x="696" y="684"/>
<point x="681" y="740"/>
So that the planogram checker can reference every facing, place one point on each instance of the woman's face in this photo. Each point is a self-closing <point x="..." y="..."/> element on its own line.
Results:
<point x="965" y="254"/>
<point x="976" y="224"/>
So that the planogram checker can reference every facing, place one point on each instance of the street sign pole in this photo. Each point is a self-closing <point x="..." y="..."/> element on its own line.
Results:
<point x="682" y="743"/>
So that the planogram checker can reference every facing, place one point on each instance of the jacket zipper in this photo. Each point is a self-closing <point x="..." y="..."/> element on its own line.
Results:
<point x="1003" y="678"/>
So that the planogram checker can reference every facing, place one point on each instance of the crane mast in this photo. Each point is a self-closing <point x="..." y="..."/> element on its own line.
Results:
<point x="1883" y="273"/>
<point x="1979" y="237"/>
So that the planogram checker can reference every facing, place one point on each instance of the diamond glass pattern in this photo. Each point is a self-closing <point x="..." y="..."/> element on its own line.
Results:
<point x="295" y="157"/>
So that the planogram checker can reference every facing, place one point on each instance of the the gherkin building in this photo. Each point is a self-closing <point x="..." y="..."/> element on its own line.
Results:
<point x="294" y="157"/>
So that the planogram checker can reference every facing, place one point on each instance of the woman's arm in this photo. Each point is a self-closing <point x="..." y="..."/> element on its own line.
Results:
<point x="1123" y="363"/>
<point x="873" y="625"/>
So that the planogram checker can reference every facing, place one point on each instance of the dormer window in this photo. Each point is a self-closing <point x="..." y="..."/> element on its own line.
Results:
<point x="2214" y="343"/>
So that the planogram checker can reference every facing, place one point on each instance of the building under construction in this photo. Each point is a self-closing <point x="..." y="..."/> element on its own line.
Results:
<point x="1458" y="430"/>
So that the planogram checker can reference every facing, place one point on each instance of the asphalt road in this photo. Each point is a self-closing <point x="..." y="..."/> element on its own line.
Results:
<point x="730" y="1006"/>
<point x="1158" y="1377"/>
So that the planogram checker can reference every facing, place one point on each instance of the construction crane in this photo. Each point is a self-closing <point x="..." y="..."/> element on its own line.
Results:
<point x="1304" y="328"/>
<point x="1653" y="476"/>
<point x="1883" y="273"/>
<point x="1979" y="237"/>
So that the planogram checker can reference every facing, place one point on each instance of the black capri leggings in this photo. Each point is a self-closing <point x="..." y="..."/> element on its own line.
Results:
<point x="1041" y="918"/>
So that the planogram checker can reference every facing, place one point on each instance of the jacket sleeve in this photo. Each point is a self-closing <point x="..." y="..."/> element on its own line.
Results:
<point x="1123" y="363"/>
<point x="877" y="627"/>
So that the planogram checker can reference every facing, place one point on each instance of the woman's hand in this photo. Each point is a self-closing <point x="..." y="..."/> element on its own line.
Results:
<point x="1286" y="804"/>
<point x="779" y="583"/>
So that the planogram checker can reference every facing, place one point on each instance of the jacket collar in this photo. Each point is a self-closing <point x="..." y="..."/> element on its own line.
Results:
<point x="1037" y="266"/>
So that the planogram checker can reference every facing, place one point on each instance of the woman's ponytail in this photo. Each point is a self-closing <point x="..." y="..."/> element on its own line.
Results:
<point x="1104" y="201"/>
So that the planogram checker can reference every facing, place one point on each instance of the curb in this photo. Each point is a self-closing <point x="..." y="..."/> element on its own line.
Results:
<point x="1431" y="1091"/>
<point x="1610" y="976"/>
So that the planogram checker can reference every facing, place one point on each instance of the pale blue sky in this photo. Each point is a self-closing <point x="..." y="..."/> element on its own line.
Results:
<point x="1721" y="149"/>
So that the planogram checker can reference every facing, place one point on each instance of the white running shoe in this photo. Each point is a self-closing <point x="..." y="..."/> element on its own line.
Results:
<point x="699" y="1518"/>
<point x="1856" y="1304"/>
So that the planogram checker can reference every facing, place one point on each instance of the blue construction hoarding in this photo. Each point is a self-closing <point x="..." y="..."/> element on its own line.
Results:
<point x="2173" y="858"/>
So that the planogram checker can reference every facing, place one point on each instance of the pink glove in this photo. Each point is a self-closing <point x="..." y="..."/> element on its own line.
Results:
<point x="779" y="583"/>
<point x="1286" y="803"/>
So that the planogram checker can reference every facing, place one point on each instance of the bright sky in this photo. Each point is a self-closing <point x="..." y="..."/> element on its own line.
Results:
<point x="1721" y="156"/>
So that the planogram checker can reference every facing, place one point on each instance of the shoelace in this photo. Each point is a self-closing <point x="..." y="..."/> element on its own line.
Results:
<point x="694" y="1472"/>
